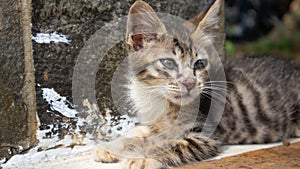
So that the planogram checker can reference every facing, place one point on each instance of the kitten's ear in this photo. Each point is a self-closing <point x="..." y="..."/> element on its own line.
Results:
<point x="143" y="25"/>
<point x="208" y="20"/>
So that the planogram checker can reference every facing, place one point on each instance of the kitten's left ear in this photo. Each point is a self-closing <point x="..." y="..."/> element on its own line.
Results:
<point x="208" y="21"/>
<point x="143" y="25"/>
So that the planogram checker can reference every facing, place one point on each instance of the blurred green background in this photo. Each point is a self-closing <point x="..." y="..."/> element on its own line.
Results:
<point x="269" y="27"/>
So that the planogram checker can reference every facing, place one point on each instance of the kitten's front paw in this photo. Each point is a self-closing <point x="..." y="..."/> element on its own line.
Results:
<point x="138" y="132"/>
<point x="142" y="163"/>
<point x="101" y="155"/>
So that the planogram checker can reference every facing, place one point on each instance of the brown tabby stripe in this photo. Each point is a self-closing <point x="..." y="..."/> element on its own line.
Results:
<point x="261" y="114"/>
<point x="243" y="141"/>
<point x="177" y="44"/>
<point x="244" y="112"/>
<point x="143" y="164"/>
<point x="272" y="95"/>
<point x="231" y="122"/>
<point x="295" y="113"/>
<point x="193" y="153"/>
<point x="179" y="153"/>
<point x="282" y="118"/>
<point x="285" y="125"/>
<point x="164" y="73"/>
<point x="185" y="49"/>
<point x="195" y="145"/>
<point x="235" y="135"/>
<point x="267" y="138"/>
<point x="145" y="75"/>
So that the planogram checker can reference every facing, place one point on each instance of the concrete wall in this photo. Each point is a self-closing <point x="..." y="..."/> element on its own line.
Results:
<point x="18" y="123"/>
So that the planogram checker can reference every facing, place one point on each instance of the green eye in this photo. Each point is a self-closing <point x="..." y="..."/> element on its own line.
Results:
<point x="200" y="64"/>
<point x="168" y="63"/>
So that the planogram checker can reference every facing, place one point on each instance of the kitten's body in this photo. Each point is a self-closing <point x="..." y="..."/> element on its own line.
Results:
<point x="263" y="98"/>
<point x="169" y="76"/>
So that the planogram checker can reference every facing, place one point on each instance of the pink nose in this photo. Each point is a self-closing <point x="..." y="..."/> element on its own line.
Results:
<point x="189" y="84"/>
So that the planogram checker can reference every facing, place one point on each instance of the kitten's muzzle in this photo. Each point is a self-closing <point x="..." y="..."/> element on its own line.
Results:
<point x="189" y="85"/>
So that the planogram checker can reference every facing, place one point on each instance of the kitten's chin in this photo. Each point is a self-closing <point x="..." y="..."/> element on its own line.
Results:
<point x="182" y="100"/>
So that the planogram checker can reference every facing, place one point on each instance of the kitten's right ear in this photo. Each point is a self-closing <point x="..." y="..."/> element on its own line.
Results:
<point x="143" y="25"/>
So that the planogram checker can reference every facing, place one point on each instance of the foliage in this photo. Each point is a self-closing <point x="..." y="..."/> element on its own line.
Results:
<point x="287" y="46"/>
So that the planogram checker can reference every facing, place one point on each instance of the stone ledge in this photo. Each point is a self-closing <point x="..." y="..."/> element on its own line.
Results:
<point x="276" y="157"/>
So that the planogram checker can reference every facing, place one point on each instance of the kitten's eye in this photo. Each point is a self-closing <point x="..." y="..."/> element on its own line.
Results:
<point x="200" y="64"/>
<point x="168" y="63"/>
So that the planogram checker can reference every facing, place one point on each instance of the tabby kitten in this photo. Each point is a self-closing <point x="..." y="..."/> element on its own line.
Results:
<point x="171" y="90"/>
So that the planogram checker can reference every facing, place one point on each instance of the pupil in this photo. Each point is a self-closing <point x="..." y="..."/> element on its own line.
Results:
<point x="200" y="64"/>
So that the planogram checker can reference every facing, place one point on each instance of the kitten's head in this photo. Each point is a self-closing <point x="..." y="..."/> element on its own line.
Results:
<point x="170" y="61"/>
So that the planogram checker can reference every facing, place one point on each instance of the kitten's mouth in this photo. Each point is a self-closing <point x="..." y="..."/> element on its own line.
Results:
<point x="182" y="99"/>
<point x="182" y="96"/>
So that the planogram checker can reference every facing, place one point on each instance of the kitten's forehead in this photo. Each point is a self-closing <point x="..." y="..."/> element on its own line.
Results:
<point x="187" y="51"/>
<point x="189" y="46"/>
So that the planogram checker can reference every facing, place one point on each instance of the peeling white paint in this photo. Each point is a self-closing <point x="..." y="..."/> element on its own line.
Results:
<point x="50" y="37"/>
<point x="59" y="103"/>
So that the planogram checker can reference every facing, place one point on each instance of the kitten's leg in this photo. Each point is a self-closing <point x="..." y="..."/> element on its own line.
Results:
<point x="104" y="156"/>
<point x="296" y="121"/>
<point x="111" y="152"/>
<point x="106" y="152"/>
<point x="142" y="163"/>
<point x="168" y="153"/>
<point x="296" y="132"/>
<point x="139" y="132"/>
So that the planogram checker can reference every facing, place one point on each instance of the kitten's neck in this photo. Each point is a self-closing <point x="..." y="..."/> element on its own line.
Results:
<point x="148" y="105"/>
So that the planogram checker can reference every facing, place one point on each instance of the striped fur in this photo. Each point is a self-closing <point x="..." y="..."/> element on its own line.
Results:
<point x="264" y="99"/>
<point x="165" y="85"/>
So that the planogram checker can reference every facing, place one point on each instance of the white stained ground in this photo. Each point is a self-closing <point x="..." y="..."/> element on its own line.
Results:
<point x="80" y="157"/>
<point x="59" y="149"/>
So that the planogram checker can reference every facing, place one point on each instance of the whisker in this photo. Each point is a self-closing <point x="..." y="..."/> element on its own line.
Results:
<point x="217" y="91"/>
<point x="219" y="82"/>
<point x="214" y="84"/>
<point x="217" y="98"/>
<point x="215" y="88"/>
<point x="222" y="85"/>
<point x="216" y="94"/>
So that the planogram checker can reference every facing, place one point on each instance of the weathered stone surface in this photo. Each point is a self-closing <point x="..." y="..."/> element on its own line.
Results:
<point x="18" y="122"/>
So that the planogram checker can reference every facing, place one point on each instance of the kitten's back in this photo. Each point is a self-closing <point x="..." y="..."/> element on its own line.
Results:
<point x="263" y="101"/>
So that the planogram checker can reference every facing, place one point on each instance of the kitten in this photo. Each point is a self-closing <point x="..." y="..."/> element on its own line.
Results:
<point x="172" y="92"/>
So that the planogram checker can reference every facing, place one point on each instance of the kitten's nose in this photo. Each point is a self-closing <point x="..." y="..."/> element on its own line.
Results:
<point x="189" y="84"/>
